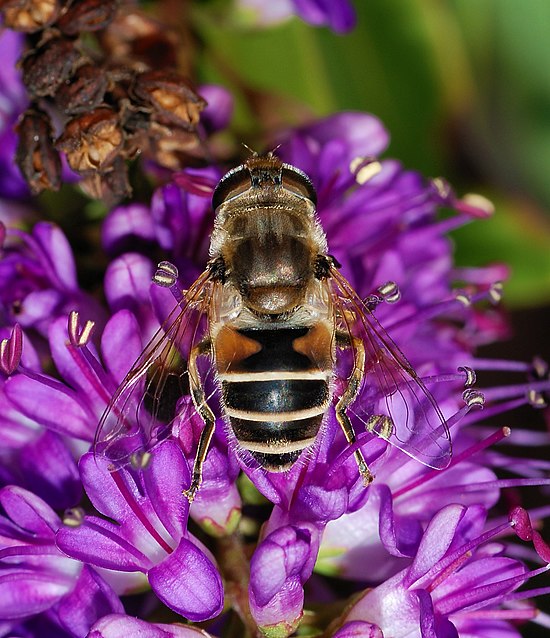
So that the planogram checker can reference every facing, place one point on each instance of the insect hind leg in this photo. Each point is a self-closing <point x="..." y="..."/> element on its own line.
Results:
<point x="206" y="414"/>
<point x="345" y="340"/>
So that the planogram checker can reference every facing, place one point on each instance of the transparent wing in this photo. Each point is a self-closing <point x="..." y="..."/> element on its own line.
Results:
<point x="392" y="402"/>
<point x="155" y="394"/>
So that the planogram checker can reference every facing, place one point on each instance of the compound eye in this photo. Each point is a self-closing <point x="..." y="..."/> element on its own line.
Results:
<point x="298" y="182"/>
<point x="231" y="184"/>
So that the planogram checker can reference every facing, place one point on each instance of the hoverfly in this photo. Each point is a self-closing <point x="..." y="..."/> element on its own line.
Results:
<point x="281" y="330"/>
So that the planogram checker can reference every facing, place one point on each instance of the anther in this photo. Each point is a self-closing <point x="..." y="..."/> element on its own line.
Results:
<point x="364" y="169"/>
<point x="540" y="368"/>
<point x="10" y="350"/>
<point x="442" y="187"/>
<point x="140" y="460"/>
<point x="390" y="292"/>
<point x="372" y="301"/>
<point x="495" y="292"/>
<point x="473" y="398"/>
<point x="79" y="335"/>
<point x="536" y="399"/>
<point x="463" y="298"/>
<point x="73" y="517"/>
<point x="476" y="205"/>
<point x="166" y="275"/>
<point x="470" y="376"/>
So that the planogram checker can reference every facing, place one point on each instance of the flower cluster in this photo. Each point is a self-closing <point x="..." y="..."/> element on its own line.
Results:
<point x="93" y="549"/>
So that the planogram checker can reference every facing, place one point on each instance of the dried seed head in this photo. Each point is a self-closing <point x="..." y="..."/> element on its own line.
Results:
<point x="171" y="98"/>
<point x="30" y="15"/>
<point x="36" y="156"/>
<point x="110" y="187"/>
<point x="92" y="141"/>
<point x="87" y="15"/>
<point x="84" y="91"/>
<point x="167" y="144"/>
<point x="137" y="40"/>
<point x="45" y="69"/>
<point x="112" y="106"/>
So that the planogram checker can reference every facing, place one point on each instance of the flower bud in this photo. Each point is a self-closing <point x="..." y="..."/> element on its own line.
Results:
<point x="87" y="15"/>
<point x="84" y="92"/>
<point x="170" y="96"/>
<point x="36" y="156"/>
<point x="45" y="69"/>
<point x="92" y="141"/>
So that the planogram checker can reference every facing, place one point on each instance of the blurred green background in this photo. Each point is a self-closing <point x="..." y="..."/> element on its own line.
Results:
<point x="462" y="85"/>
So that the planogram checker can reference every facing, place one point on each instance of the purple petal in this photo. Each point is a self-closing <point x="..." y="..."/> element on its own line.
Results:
<point x="102" y="490"/>
<point x="121" y="344"/>
<point x="91" y="598"/>
<point x="364" y="134"/>
<point x="217" y="114"/>
<point x="127" y="282"/>
<point x="339" y="15"/>
<point x="436" y="541"/>
<point x="50" y="404"/>
<point x="11" y="47"/>
<point x="478" y="581"/>
<point x="29" y="511"/>
<point x="50" y="470"/>
<point x="283" y="613"/>
<point x="121" y="626"/>
<point x="58" y="253"/>
<point x="99" y="543"/>
<point x="188" y="583"/>
<point x="485" y="628"/>
<point x="278" y="569"/>
<point x="126" y="226"/>
<point x="36" y="592"/>
<point x="39" y="306"/>
<point x="217" y="510"/>
<point x="359" y="629"/>
<point x="398" y="539"/>
<point x="280" y="556"/>
<point x="165" y="480"/>
<point x="427" y="619"/>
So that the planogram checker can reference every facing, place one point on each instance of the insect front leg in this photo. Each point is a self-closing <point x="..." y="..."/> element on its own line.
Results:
<point x="199" y="399"/>
<point x="345" y="340"/>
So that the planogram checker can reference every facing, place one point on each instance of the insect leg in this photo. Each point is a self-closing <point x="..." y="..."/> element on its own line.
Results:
<point x="197" y="393"/>
<point x="354" y="383"/>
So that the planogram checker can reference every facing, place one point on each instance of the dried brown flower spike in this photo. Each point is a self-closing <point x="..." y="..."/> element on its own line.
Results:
<point x="108" y="103"/>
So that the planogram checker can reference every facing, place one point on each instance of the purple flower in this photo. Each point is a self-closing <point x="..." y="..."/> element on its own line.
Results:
<point x="36" y="579"/>
<point x="416" y="536"/>
<point x="451" y="588"/>
<point x="278" y="570"/>
<point x="150" y="534"/>
<point x="179" y="221"/>
<point x="338" y="15"/>
<point x="122" y="626"/>
<point x="38" y="280"/>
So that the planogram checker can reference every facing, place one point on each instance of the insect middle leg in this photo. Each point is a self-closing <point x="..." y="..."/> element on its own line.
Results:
<point x="345" y="340"/>
<point x="199" y="400"/>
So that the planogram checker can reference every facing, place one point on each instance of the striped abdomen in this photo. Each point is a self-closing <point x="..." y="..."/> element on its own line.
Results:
<point x="276" y="388"/>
